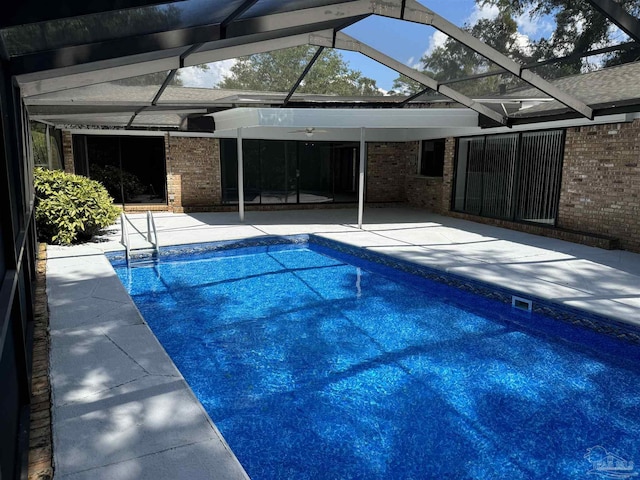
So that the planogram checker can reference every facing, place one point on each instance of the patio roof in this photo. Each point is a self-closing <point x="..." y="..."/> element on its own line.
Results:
<point x="85" y="45"/>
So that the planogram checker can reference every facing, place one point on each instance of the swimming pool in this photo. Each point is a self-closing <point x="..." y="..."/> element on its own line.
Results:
<point x="317" y="364"/>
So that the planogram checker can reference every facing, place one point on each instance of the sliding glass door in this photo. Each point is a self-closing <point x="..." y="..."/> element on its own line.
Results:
<point x="512" y="176"/>
<point x="290" y="172"/>
<point x="132" y="168"/>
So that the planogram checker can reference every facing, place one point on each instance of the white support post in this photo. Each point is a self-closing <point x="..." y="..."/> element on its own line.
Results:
<point x="240" y="178"/>
<point x="361" y="187"/>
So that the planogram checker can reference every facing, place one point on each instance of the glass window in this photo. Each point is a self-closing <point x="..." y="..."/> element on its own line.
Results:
<point x="432" y="158"/>
<point x="513" y="176"/>
<point x="229" y="169"/>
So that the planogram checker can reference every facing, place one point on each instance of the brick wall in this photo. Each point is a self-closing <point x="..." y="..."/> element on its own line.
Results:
<point x="67" y="151"/>
<point x="193" y="172"/>
<point x="386" y="170"/>
<point x="600" y="190"/>
<point x="447" y="175"/>
<point x="424" y="192"/>
<point x="431" y="193"/>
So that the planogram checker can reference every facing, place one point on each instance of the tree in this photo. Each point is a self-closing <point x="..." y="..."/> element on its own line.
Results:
<point x="453" y="60"/>
<point x="578" y="29"/>
<point x="277" y="71"/>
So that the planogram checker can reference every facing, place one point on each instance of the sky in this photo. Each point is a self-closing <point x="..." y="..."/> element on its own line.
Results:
<point x="404" y="41"/>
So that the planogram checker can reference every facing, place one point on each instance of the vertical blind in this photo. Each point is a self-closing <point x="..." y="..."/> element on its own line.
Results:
<point x="512" y="176"/>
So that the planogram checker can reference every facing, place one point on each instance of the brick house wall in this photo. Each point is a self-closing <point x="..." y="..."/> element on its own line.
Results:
<point x="424" y="192"/>
<point x="600" y="190"/>
<point x="386" y="170"/>
<point x="430" y="193"/>
<point x="193" y="172"/>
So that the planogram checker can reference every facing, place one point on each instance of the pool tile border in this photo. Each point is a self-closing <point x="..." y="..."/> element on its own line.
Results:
<point x="598" y="323"/>
<point x="118" y="258"/>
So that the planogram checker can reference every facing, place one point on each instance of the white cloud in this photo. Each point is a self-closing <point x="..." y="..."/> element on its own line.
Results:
<point x="196" y="77"/>
<point x="437" y="40"/>
<point x="523" y="42"/>
<point x="481" y="12"/>
<point x="533" y="26"/>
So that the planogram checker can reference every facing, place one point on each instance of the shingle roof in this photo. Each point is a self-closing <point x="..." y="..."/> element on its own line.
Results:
<point x="607" y="87"/>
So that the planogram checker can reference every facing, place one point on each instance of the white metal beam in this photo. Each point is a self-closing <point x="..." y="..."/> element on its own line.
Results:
<point x="237" y="33"/>
<point x="243" y="50"/>
<point x="41" y="83"/>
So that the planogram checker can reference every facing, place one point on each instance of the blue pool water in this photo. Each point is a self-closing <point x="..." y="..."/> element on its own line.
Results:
<point x="315" y="365"/>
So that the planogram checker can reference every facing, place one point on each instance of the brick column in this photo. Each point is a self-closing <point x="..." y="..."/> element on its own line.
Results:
<point x="193" y="172"/>
<point x="67" y="152"/>
<point x="447" y="175"/>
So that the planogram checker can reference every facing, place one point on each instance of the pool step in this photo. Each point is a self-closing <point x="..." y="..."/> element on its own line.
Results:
<point x="142" y="256"/>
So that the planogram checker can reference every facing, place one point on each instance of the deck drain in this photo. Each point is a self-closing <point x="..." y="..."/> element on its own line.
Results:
<point x="521" y="303"/>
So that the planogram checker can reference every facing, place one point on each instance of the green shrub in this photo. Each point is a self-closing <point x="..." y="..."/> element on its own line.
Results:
<point x="70" y="208"/>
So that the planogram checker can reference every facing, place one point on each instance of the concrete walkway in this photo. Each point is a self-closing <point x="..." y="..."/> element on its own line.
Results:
<point x="122" y="410"/>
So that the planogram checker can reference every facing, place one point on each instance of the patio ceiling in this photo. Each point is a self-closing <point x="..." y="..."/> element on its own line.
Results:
<point x="62" y="58"/>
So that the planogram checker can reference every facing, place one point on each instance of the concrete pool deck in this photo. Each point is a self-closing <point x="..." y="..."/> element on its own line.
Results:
<point x="122" y="410"/>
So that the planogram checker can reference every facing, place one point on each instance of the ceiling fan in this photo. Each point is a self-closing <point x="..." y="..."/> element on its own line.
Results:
<point x="309" y="131"/>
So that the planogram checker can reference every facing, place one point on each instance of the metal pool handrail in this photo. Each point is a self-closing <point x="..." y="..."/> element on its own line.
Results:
<point x="124" y="239"/>
<point x="151" y="228"/>
<point x="151" y="235"/>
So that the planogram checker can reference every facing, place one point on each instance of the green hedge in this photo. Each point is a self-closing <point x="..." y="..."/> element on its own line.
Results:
<point x="70" y="208"/>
